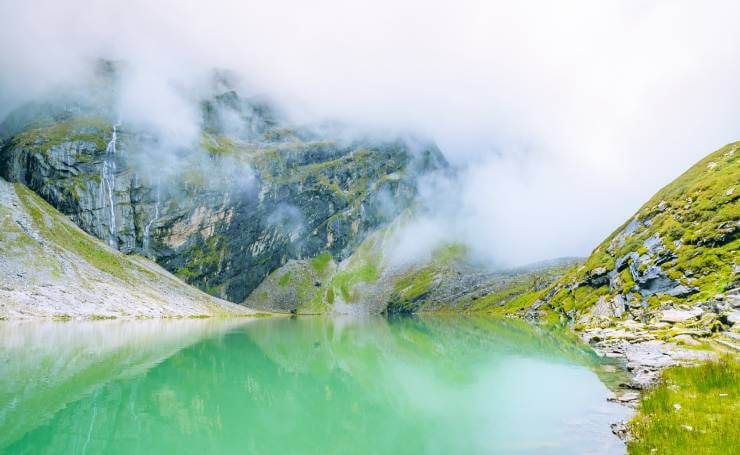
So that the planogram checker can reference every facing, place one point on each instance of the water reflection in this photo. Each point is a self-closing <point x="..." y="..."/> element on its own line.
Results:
<point x="44" y="365"/>
<point x="308" y="385"/>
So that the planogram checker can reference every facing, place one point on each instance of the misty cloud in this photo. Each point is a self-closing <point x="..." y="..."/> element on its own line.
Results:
<point x="562" y="117"/>
<point x="288" y="220"/>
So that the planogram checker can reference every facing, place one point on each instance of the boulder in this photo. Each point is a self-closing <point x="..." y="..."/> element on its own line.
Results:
<point x="682" y="291"/>
<point x="686" y="339"/>
<point x="608" y="308"/>
<point x="597" y="277"/>
<point x="621" y="430"/>
<point x="674" y="315"/>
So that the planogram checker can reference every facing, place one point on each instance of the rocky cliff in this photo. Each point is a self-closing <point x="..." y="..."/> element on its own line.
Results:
<point x="251" y="193"/>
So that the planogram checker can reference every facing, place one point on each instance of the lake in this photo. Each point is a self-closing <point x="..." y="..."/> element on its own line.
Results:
<point x="317" y="385"/>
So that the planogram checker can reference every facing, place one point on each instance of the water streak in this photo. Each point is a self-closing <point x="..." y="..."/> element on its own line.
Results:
<point x="147" y="228"/>
<point x="106" y="196"/>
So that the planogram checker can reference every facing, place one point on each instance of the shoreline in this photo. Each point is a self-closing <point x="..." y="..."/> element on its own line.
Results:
<point x="643" y="357"/>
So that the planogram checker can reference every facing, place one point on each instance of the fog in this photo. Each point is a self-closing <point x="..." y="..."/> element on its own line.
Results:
<point x="563" y="118"/>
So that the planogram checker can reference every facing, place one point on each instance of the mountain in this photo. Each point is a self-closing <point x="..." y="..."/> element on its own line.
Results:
<point x="250" y="193"/>
<point x="292" y="218"/>
<point x="50" y="267"/>
<point x="671" y="269"/>
<point x="672" y="265"/>
<point x="374" y="280"/>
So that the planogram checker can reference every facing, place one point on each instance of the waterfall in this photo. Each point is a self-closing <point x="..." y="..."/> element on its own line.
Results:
<point x="106" y="196"/>
<point x="148" y="226"/>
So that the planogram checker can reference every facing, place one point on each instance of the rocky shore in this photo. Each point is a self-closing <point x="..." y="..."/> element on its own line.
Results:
<point x="675" y="339"/>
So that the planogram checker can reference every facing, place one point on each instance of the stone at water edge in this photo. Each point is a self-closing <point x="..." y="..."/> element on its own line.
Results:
<point x="626" y="397"/>
<point x="621" y="430"/>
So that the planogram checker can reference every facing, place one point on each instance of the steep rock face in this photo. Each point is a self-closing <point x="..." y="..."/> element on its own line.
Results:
<point x="672" y="267"/>
<point x="251" y="194"/>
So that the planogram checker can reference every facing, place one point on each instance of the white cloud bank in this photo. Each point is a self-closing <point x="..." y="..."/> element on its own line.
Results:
<point x="566" y="115"/>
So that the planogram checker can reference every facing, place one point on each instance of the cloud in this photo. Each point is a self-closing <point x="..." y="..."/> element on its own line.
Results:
<point x="564" y="116"/>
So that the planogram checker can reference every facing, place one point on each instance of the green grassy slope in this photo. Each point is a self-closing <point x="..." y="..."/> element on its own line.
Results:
<point x="51" y="268"/>
<point x="678" y="251"/>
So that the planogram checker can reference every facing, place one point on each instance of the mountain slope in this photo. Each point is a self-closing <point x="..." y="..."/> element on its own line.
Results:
<point x="373" y="280"/>
<point x="251" y="191"/>
<point x="49" y="267"/>
<point x="672" y="267"/>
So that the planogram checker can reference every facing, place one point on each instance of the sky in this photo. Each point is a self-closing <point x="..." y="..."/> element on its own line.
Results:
<point x="563" y="117"/>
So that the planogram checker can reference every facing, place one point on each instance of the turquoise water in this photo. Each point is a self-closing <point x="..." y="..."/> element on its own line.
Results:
<point x="306" y="385"/>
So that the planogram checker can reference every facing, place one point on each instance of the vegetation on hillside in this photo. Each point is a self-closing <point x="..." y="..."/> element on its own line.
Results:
<point x="678" y="250"/>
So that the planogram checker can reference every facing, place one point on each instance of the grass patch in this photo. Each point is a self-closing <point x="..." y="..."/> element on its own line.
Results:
<point x="321" y="262"/>
<point x="95" y="130"/>
<point x="413" y="286"/>
<point x="284" y="279"/>
<point x="706" y="420"/>
<point x="367" y="272"/>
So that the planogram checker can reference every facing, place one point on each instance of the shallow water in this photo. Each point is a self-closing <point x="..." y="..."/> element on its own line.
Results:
<point x="307" y="385"/>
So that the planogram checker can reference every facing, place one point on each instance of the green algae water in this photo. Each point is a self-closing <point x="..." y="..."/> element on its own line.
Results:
<point x="436" y="385"/>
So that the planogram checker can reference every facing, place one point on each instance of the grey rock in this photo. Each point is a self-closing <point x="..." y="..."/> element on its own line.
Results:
<point x="682" y="291"/>
<point x="597" y="277"/>
<point x="680" y="315"/>
<point x="628" y="397"/>
<point x="621" y="430"/>
<point x="532" y="312"/>
<point x="686" y="339"/>
<point x="654" y="244"/>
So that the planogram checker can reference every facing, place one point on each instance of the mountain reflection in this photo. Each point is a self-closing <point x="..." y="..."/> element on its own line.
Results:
<point x="308" y="385"/>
